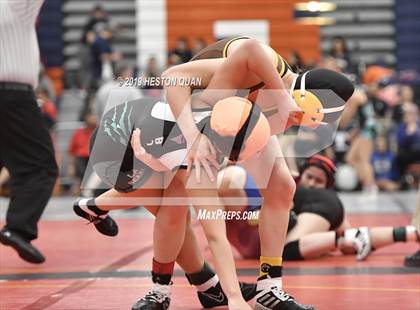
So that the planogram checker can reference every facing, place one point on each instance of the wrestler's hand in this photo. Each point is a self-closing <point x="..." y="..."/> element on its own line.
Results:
<point x="295" y="118"/>
<point x="141" y="154"/>
<point x="288" y="112"/>
<point x="202" y="153"/>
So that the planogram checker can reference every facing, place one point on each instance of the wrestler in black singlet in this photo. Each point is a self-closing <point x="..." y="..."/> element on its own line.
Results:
<point x="112" y="156"/>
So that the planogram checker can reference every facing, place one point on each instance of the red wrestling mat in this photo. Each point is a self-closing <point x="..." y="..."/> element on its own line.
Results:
<point x="85" y="270"/>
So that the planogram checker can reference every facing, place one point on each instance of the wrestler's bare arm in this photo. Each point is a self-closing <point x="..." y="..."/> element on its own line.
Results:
<point x="179" y="96"/>
<point x="249" y="64"/>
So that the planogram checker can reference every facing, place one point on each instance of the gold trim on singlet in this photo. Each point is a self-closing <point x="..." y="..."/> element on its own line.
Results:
<point x="278" y="59"/>
<point x="283" y="65"/>
<point x="224" y="53"/>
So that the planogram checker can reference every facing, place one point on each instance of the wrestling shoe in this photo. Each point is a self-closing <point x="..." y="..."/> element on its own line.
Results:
<point x="362" y="243"/>
<point x="215" y="297"/>
<point x="103" y="223"/>
<point x="158" y="298"/>
<point x="276" y="299"/>
<point x="412" y="260"/>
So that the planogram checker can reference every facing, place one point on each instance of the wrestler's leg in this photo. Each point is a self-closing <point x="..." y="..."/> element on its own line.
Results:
<point x="215" y="231"/>
<point x="272" y="177"/>
<point x="307" y="223"/>
<point x="169" y="228"/>
<point x="278" y="194"/>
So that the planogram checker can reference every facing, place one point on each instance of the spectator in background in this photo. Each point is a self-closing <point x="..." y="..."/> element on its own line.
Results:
<point x="360" y="109"/>
<point x="182" y="50"/>
<point x="406" y="97"/>
<point x="103" y="54"/>
<point x="173" y="60"/>
<point x="408" y="138"/>
<point x="199" y="44"/>
<point x="46" y="85"/>
<point x="115" y="92"/>
<point x="103" y="58"/>
<point x="340" y="53"/>
<point x="152" y="70"/>
<point x="296" y="62"/>
<point x="78" y="152"/>
<point x="383" y="163"/>
<point x="332" y="64"/>
<point x="49" y="111"/>
<point x="97" y="15"/>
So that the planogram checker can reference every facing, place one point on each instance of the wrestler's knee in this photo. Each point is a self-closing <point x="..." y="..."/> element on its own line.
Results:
<point x="280" y="191"/>
<point x="175" y="215"/>
<point x="231" y="182"/>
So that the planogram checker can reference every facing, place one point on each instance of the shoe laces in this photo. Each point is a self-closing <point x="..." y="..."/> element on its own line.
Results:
<point x="94" y="219"/>
<point x="282" y="294"/>
<point x="158" y="293"/>
<point x="363" y="239"/>
<point x="156" y="297"/>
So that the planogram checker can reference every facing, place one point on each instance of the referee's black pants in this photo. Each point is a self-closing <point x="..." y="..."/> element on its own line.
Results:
<point x="26" y="150"/>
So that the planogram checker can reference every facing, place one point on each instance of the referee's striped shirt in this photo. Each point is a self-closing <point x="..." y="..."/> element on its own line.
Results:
<point x="19" y="51"/>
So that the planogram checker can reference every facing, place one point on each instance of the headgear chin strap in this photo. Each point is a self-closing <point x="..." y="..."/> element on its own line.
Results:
<point x="311" y="105"/>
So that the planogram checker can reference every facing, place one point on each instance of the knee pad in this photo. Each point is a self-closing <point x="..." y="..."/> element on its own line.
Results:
<point x="291" y="251"/>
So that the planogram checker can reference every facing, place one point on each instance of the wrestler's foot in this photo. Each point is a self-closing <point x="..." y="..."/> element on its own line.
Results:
<point x="215" y="297"/>
<point x="275" y="298"/>
<point x="103" y="222"/>
<point x="356" y="241"/>
<point x="158" y="298"/>
<point x="362" y="243"/>
<point x="413" y="260"/>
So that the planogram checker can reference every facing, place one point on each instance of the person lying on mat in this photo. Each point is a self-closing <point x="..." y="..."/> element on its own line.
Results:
<point x="318" y="224"/>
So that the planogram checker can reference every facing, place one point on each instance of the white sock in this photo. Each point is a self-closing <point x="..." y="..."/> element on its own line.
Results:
<point x="412" y="233"/>
<point x="208" y="284"/>
<point x="83" y="204"/>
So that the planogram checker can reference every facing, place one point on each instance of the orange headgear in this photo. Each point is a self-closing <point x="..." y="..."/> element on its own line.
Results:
<point x="240" y="129"/>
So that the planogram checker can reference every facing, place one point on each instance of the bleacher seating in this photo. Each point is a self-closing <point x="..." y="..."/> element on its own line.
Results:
<point x="76" y="12"/>
<point x="368" y="27"/>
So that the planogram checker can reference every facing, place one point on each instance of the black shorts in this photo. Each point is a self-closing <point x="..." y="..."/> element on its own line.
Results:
<point x="322" y="202"/>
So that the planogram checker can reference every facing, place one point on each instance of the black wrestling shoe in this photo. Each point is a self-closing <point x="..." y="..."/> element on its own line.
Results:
<point x="277" y="299"/>
<point x="24" y="247"/>
<point x="413" y="260"/>
<point x="103" y="223"/>
<point x="158" y="298"/>
<point x="215" y="297"/>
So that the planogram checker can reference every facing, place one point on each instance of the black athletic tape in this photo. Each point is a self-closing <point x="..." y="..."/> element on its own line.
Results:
<point x="201" y="277"/>
<point x="399" y="234"/>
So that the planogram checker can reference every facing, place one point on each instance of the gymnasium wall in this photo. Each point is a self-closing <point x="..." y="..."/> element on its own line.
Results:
<point x="193" y="19"/>
<point x="407" y="24"/>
